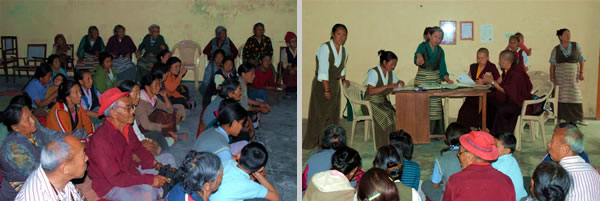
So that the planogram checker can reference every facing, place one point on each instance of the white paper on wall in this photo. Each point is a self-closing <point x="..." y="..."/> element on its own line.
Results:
<point x="487" y="33"/>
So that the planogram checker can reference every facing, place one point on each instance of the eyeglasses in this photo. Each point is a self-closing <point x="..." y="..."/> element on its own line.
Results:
<point x="458" y="153"/>
<point x="127" y="108"/>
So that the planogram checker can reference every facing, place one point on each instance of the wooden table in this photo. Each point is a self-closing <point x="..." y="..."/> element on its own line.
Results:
<point x="412" y="109"/>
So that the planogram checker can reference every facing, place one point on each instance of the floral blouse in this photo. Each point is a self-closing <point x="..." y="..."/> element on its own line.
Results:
<point x="253" y="49"/>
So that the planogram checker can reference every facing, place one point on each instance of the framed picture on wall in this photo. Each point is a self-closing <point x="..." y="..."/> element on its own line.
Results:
<point x="449" y="28"/>
<point x="466" y="30"/>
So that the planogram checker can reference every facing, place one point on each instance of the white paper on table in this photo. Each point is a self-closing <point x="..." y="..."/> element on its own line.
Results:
<point x="466" y="30"/>
<point x="487" y="33"/>
<point x="465" y="79"/>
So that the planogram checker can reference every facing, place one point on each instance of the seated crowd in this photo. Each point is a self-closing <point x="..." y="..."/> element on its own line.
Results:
<point x="474" y="166"/>
<point x="107" y="132"/>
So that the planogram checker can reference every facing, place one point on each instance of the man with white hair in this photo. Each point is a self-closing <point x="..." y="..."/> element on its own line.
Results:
<point x="61" y="161"/>
<point x="565" y="146"/>
<point x="113" y="171"/>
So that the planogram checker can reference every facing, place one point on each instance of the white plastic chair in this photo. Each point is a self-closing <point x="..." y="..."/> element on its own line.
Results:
<point x="353" y="94"/>
<point x="240" y="58"/>
<point x="542" y="86"/>
<point x="189" y="58"/>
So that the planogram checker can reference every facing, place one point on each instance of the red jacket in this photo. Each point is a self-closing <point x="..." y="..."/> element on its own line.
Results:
<point x="111" y="163"/>
<point x="479" y="182"/>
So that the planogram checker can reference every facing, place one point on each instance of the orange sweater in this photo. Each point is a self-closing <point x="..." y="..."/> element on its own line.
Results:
<point x="171" y="84"/>
<point x="59" y="119"/>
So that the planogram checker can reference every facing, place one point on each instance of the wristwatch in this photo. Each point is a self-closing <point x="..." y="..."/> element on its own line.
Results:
<point x="493" y="82"/>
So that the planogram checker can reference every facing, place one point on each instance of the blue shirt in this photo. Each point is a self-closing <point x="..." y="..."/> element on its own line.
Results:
<point x="177" y="193"/>
<point x="36" y="90"/>
<point x="318" y="162"/>
<point x="236" y="185"/>
<point x="411" y="174"/>
<point x="436" y="175"/>
<point x="508" y="165"/>
<point x="224" y="155"/>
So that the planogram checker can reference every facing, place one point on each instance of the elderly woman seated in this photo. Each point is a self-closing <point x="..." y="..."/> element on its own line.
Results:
<point x="90" y="45"/>
<point x="203" y="175"/>
<point x="156" y="117"/>
<point x="151" y="45"/>
<point x="121" y="47"/>
<point x="21" y="149"/>
<point x="222" y="42"/>
<point x="258" y="44"/>
<point x="61" y="49"/>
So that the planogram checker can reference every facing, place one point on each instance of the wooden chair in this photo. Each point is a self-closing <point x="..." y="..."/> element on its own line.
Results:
<point x="10" y="54"/>
<point x="544" y="88"/>
<point x="187" y="54"/>
<point x="71" y="59"/>
<point x="353" y="94"/>
<point x="36" y="55"/>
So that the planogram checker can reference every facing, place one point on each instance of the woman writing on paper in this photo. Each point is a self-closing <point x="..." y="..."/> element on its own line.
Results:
<point x="381" y="81"/>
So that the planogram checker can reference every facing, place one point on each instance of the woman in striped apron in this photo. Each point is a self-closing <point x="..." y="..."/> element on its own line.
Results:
<point x="432" y="69"/>
<point x="566" y="74"/>
<point x="381" y="81"/>
<point x="325" y="97"/>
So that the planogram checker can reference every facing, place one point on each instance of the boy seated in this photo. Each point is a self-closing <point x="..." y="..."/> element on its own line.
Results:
<point x="507" y="163"/>
<point x="239" y="178"/>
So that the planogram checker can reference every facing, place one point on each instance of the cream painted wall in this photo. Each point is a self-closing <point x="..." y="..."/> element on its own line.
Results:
<point x="34" y="21"/>
<point x="398" y="26"/>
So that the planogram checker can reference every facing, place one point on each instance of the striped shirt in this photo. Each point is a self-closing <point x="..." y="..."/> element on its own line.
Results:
<point x="37" y="187"/>
<point x="586" y="180"/>
<point x="411" y="174"/>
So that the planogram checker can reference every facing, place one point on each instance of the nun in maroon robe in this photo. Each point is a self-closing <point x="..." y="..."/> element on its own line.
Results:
<point x="510" y="94"/>
<point x="469" y="114"/>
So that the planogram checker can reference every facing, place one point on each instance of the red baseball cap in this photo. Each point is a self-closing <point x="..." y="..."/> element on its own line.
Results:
<point x="109" y="97"/>
<point x="481" y="144"/>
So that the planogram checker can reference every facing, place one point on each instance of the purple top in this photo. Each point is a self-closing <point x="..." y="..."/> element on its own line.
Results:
<point x="123" y="47"/>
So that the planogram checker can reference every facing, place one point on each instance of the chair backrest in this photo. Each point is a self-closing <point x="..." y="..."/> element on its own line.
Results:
<point x="72" y="50"/>
<point x="36" y="51"/>
<point x="240" y="54"/>
<point x="10" y="46"/>
<point x="542" y="85"/>
<point x="187" y="52"/>
<point x="279" y="76"/>
<point x="353" y="94"/>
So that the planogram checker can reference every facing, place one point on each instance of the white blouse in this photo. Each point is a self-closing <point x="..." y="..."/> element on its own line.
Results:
<point x="372" y="77"/>
<point x="323" y="57"/>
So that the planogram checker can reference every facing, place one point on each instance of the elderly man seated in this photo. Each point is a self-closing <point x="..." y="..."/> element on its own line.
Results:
<point x="478" y="180"/>
<point x="565" y="146"/>
<point x="112" y="170"/>
<point x="60" y="161"/>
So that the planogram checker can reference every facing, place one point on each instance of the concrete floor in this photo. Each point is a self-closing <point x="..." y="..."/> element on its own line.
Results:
<point x="528" y="157"/>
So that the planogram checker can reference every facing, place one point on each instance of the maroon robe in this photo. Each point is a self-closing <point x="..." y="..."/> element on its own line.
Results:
<point x="517" y="88"/>
<point x="469" y="115"/>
